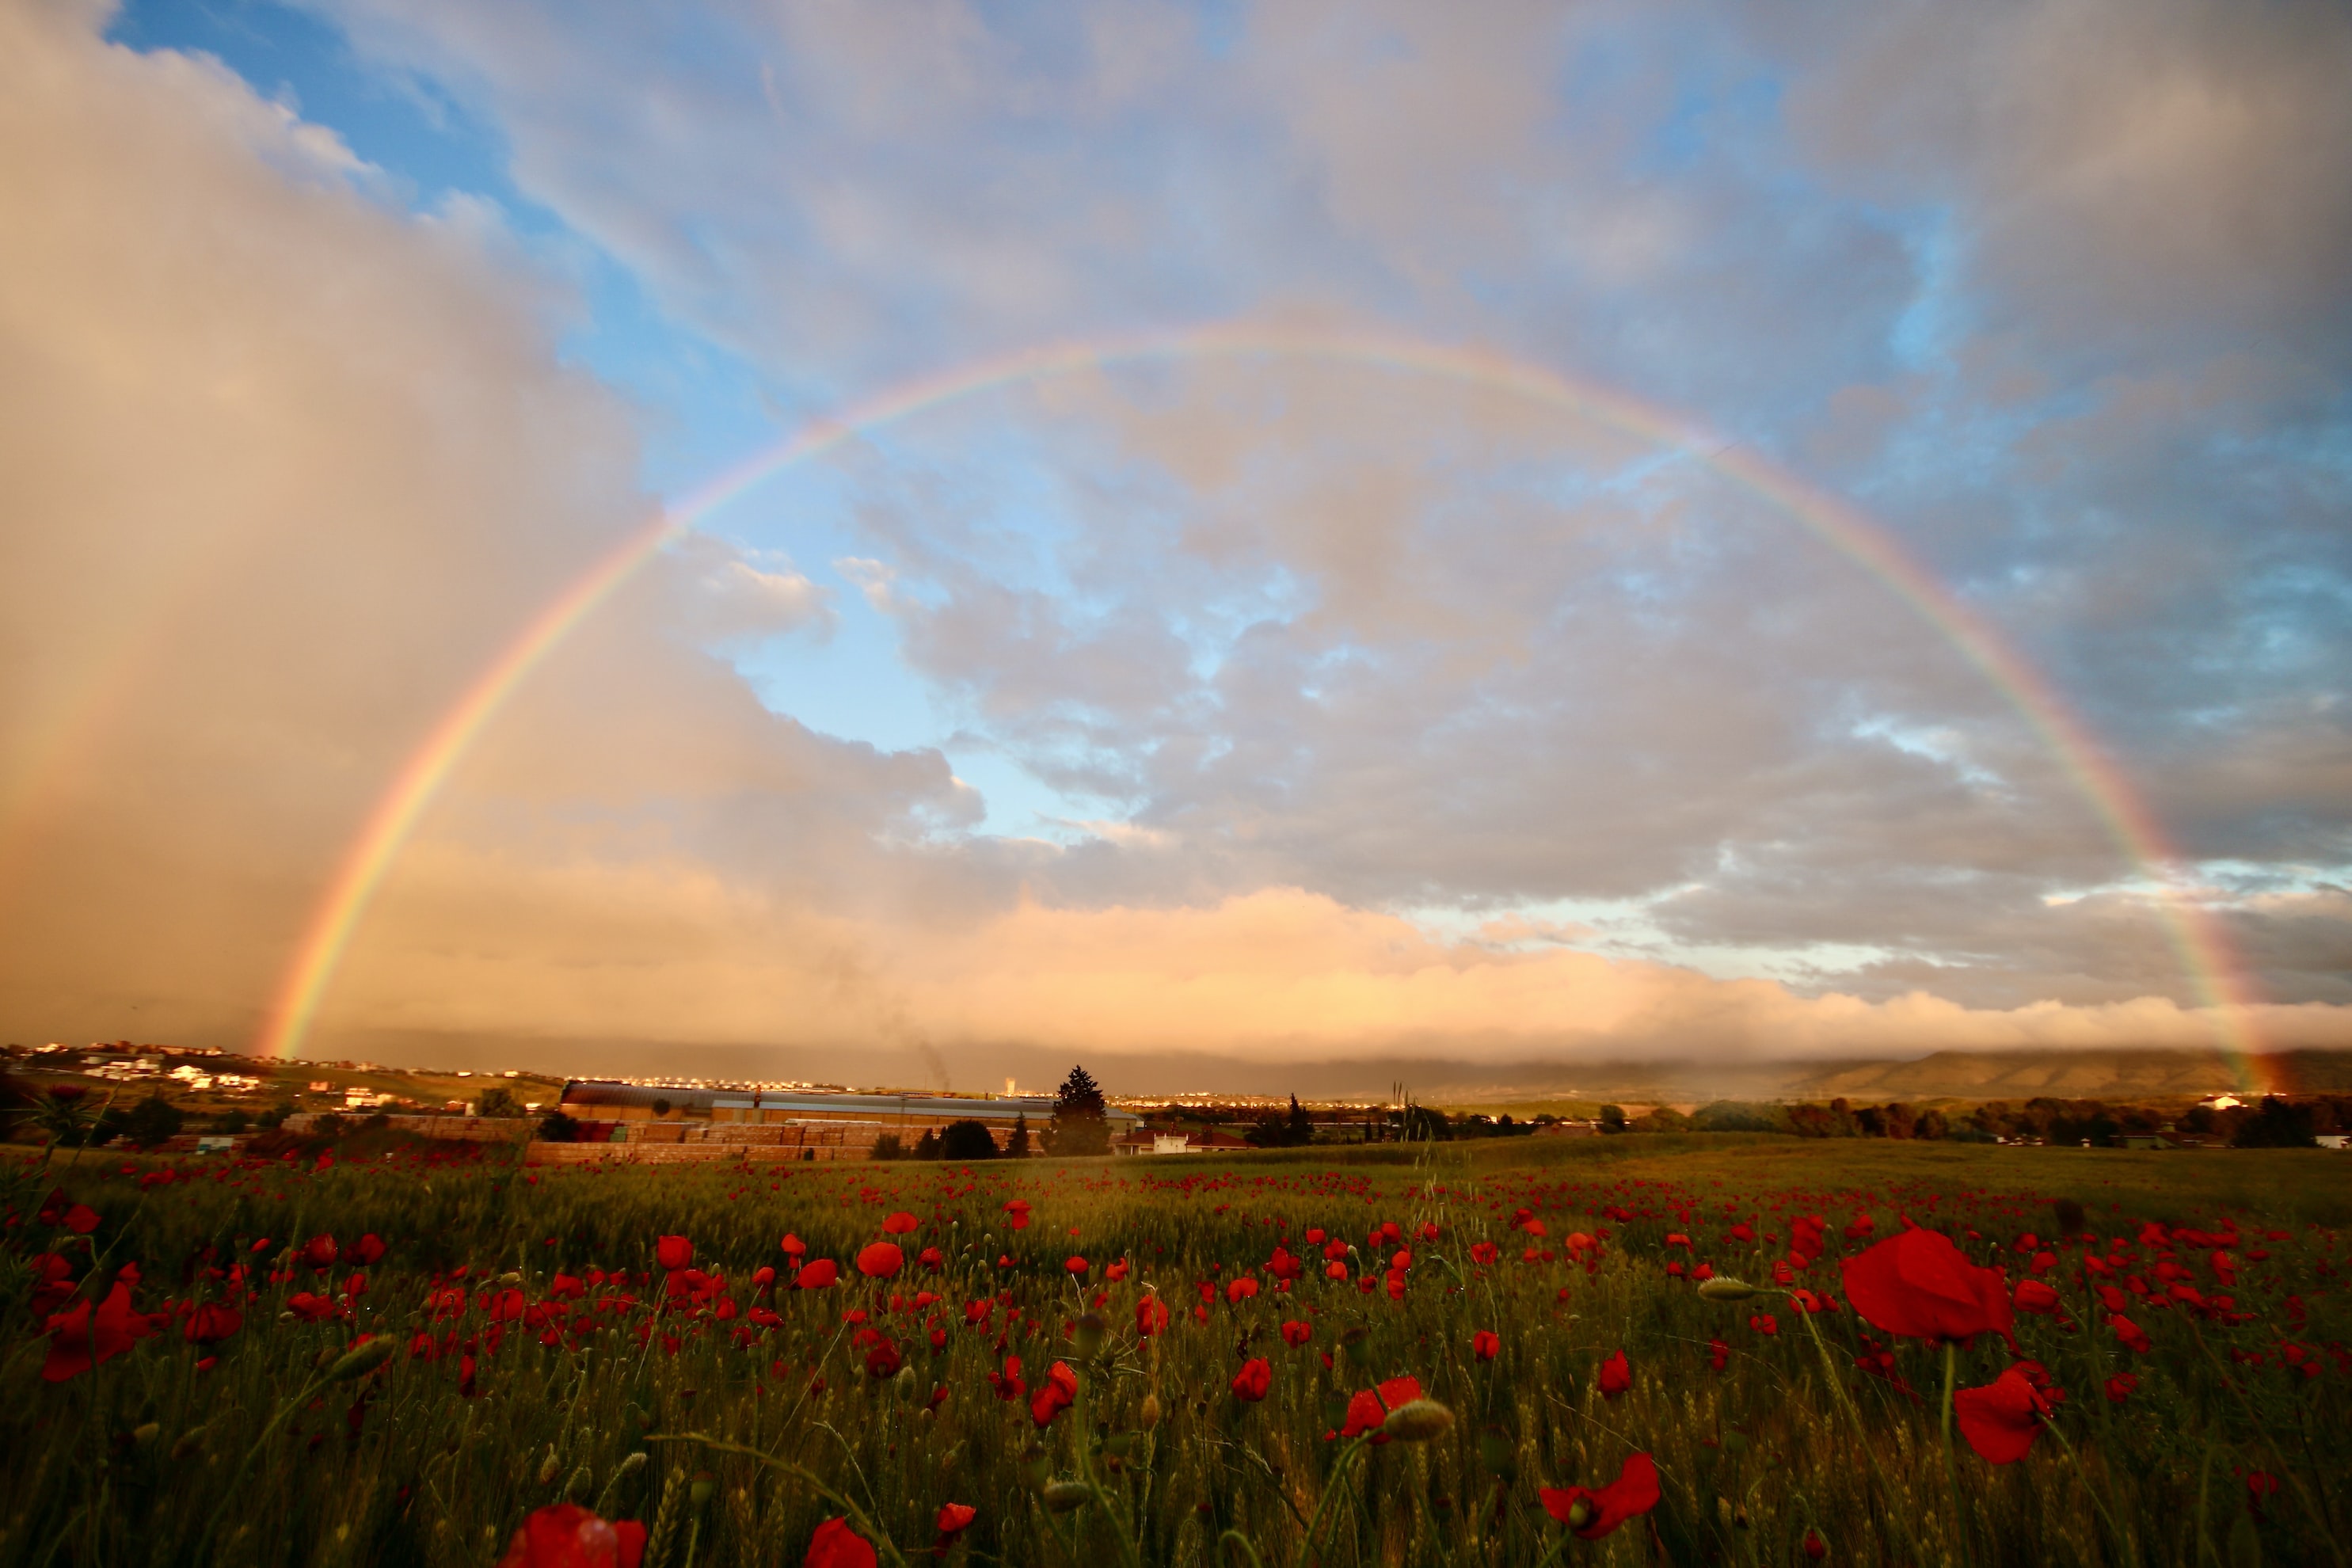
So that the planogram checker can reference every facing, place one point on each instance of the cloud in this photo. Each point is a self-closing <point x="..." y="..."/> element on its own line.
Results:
<point x="1325" y="666"/>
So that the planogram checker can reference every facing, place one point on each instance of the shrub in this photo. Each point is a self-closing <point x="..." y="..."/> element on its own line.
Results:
<point x="967" y="1140"/>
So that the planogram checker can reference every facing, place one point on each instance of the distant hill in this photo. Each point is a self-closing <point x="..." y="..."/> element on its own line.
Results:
<point x="2066" y="1075"/>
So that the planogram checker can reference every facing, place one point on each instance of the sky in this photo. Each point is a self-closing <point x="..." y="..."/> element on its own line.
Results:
<point x="1527" y="534"/>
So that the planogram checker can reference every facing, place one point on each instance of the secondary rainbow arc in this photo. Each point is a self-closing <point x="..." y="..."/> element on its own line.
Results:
<point x="2199" y="946"/>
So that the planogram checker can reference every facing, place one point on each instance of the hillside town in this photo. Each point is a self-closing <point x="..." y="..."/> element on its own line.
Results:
<point x="201" y="1099"/>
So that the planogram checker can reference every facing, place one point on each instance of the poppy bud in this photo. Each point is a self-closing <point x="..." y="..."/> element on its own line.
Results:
<point x="629" y="1466"/>
<point x="1148" y="1417"/>
<point x="1418" y="1421"/>
<point x="550" y="1468"/>
<point x="511" y="1277"/>
<point x="903" y="1385"/>
<point x="190" y="1442"/>
<point x="362" y="1359"/>
<point x="1580" y="1514"/>
<point x="1088" y="1337"/>
<point x="1358" y="1342"/>
<point x="146" y="1433"/>
<point x="1724" y="1287"/>
<point x="1037" y="1465"/>
<point x="1061" y="1497"/>
<point x="699" y="1492"/>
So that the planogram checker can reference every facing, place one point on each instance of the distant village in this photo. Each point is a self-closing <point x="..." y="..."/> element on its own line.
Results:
<point x="204" y="1099"/>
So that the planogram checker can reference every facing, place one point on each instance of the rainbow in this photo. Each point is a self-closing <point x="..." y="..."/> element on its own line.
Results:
<point x="2202" y="949"/>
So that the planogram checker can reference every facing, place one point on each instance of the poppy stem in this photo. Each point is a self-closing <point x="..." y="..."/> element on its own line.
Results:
<point x="1309" y="1547"/>
<point x="1951" y="1466"/>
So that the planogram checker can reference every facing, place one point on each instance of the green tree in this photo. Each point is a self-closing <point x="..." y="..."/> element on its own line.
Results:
<point x="1299" y="1129"/>
<point x="1613" y="1118"/>
<point x="2279" y="1124"/>
<point x="1079" y="1127"/>
<point x="1426" y="1125"/>
<point x="967" y="1140"/>
<point x="1018" y="1146"/>
<point x="926" y="1147"/>
<point x="887" y="1147"/>
<point x="153" y="1120"/>
<point x="498" y="1100"/>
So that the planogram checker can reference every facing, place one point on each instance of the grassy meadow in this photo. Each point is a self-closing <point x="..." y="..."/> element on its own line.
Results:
<point x="529" y="1339"/>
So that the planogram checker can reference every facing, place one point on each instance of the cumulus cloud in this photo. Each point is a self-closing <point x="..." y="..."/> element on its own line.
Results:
<point x="1323" y="666"/>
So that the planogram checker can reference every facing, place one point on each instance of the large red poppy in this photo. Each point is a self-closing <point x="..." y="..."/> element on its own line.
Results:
<point x="1367" y="1410"/>
<point x="1634" y="1492"/>
<point x="569" y="1536"/>
<point x="879" y="1261"/>
<point x="320" y="1252"/>
<point x="955" y="1517"/>
<point x="212" y="1322"/>
<point x="1616" y="1376"/>
<point x="816" y="1276"/>
<point x="1918" y="1284"/>
<point x="81" y="1338"/>
<point x="835" y="1546"/>
<point x="1055" y="1395"/>
<point x="1253" y="1381"/>
<point x="1151" y="1316"/>
<point x="899" y="1224"/>
<point x="673" y="1252"/>
<point x="1999" y="1419"/>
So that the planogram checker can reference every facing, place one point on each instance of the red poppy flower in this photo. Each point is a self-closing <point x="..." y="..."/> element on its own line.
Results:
<point x="1297" y="1334"/>
<point x="1055" y="1395"/>
<point x="321" y="1252"/>
<point x="569" y="1536"/>
<point x="1240" y="1289"/>
<point x="2033" y="1296"/>
<point x="212" y="1322"/>
<point x="673" y="1252"/>
<point x="81" y="1338"/>
<point x="1369" y="1409"/>
<point x="2121" y="1386"/>
<point x="1076" y="1266"/>
<point x="1254" y="1380"/>
<point x="1999" y="1419"/>
<point x="883" y="1360"/>
<point x="1151" y="1316"/>
<point x="368" y="1250"/>
<point x="1718" y="1354"/>
<point x="881" y="1260"/>
<point x="1117" y="1271"/>
<point x="1592" y="1514"/>
<point x="1616" y="1376"/>
<point x="81" y="1219"/>
<point x="2132" y="1336"/>
<point x="1019" y="1209"/>
<point x="1484" y="1253"/>
<point x="1918" y="1284"/>
<point x="954" y="1518"/>
<point x="835" y="1546"/>
<point x="816" y="1276"/>
<point x="1815" y="1547"/>
<point x="1485" y="1345"/>
<point x="792" y="1245"/>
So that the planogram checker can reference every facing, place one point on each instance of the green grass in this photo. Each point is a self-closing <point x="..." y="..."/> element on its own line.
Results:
<point x="129" y="1463"/>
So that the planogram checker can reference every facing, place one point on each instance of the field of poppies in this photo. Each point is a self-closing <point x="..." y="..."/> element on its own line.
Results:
<point x="1613" y="1351"/>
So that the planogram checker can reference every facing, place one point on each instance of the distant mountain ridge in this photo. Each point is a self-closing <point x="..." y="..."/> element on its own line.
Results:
<point x="2068" y="1075"/>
